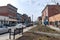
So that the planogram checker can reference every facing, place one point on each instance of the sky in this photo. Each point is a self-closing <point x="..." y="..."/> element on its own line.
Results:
<point x="29" y="7"/>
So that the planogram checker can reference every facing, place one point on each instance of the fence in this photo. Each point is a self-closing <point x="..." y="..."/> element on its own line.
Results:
<point x="16" y="31"/>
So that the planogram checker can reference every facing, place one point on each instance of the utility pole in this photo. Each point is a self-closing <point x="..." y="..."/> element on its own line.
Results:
<point x="32" y="19"/>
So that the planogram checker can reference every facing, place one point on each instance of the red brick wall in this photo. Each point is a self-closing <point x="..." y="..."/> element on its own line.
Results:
<point x="53" y="10"/>
<point x="44" y="13"/>
<point x="4" y="11"/>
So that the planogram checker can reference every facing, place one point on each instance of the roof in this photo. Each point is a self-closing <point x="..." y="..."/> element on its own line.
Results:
<point x="52" y="10"/>
<point x="49" y="6"/>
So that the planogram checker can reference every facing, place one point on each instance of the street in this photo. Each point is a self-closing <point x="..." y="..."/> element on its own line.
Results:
<point x="6" y="36"/>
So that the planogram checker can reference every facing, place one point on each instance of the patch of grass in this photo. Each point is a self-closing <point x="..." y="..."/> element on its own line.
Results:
<point x="31" y="36"/>
<point x="43" y="28"/>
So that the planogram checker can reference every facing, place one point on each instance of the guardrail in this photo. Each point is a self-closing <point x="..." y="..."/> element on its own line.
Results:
<point x="16" y="31"/>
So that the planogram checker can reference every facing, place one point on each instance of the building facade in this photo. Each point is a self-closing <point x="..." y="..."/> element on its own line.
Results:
<point x="45" y="14"/>
<point x="26" y="19"/>
<point x="8" y="14"/>
<point x="19" y="18"/>
<point x="51" y="13"/>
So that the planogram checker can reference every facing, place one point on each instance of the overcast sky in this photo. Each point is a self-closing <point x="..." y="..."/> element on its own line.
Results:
<point x="30" y="7"/>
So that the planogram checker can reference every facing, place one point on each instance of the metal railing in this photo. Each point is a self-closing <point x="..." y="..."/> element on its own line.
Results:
<point x="16" y="31"/>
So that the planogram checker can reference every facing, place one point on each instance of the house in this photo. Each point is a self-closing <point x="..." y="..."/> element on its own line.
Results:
<point x="51" y="13"/>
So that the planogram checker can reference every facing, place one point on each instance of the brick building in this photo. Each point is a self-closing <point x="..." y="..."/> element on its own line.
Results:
<point x="19" y="18"/>
<point x="8" y="14"/>
<point x="26" y="19"/>
<point x="51" y="13"/>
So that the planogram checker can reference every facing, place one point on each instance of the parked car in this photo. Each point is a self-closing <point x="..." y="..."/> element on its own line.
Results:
<point x="15" y="27"/>
<point x="3" y="29"/>
<point x="29" y="24"/>
<point x="7" y="25"/>
<point x="19" y="25"/>
<point x="23" y="25"/>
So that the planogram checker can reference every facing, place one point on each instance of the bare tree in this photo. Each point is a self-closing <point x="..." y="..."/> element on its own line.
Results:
<point x="55" y="1"/>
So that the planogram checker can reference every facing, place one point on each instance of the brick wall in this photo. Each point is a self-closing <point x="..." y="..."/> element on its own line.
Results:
<point x="53" y="12"/>
<point x="8" y="11"/>
<point x="54" y="18"/>
<point x="3" y="11"/>
<point x="44" y="13"/>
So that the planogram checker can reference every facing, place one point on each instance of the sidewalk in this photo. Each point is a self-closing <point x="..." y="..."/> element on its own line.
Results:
<point x="48" y="34"/>
<point x="6" y="36"/>
<point x="55" y="28"/>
